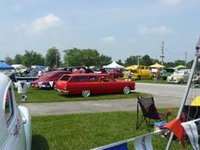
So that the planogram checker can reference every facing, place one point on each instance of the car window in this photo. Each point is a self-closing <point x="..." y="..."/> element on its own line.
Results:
<point x="9" y="106"/>
<point x="65" y="78"/>
<point x="59" y="75"/>
<point x="107" y="79"/>
<point x="93" y="79"/>
<point x="80" y="79"/>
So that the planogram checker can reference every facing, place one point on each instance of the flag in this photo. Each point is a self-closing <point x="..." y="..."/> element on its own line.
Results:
<point x="51" y="83"/>
<point x="22" y="85"/>
<point x="191" y="131"/>
<point x="143" y="143"/>
<point x="122" y="146"/>
<point x="176" y="127"/>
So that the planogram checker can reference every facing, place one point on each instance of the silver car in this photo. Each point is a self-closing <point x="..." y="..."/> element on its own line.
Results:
<point x="179" y="76"/>
<point x="15" y="121"/>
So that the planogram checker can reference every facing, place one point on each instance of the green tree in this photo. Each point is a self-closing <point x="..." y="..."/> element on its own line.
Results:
<point x="18" y="59"/>
<point x="169" y="64"/>
<point x="90" y="57"/>
<point x="179" y="62"/>
<point x="146" y="60"/>
<point x="84" y="57"/>
<point x="120" y="62"/>
<point x="9" y="60"/>
<point x="72" y="57"/>
<point x="32" y="58"/>
<point x="132" y="60"/>
<point x="104" y="60"/>
<point x="53" y="57"/>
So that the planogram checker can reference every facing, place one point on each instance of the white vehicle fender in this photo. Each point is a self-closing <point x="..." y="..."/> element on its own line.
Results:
<point x="26" y="118"/>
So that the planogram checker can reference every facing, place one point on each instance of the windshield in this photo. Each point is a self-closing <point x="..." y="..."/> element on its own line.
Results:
<point x="65" y="78"/>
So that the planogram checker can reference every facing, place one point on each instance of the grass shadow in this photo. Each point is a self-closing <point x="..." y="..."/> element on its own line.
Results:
<point x="39" y="143"/>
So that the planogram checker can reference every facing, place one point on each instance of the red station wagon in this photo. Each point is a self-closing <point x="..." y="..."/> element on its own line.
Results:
<point x="87" y="84"/>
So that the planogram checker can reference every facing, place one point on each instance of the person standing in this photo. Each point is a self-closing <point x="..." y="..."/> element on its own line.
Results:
<point x="129" y="75"/>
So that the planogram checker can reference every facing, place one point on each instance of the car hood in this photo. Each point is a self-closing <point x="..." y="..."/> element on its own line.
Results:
<point x="44" y="78"/>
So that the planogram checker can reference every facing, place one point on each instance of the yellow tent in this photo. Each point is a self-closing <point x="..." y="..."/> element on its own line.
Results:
<point x="180" y="67"/>
<point x="196" y="101"/>
<point x="156" y="65"/>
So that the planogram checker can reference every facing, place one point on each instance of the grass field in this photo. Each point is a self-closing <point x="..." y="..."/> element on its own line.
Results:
<point x="45" y="96"/>
<point x="86" y="131"/>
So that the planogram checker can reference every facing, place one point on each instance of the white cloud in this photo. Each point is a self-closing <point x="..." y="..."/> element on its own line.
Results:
<point x="171" y="2"/>
<point x="40" y="26"/>
<point x="108" y="40"/>
<point x="144" y="30"/>
<point x="43" y="24"/>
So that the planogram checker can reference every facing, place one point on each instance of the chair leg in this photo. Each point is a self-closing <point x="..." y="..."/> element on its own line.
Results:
<point x="147" y="123"/>
<point x="139" y="122"/>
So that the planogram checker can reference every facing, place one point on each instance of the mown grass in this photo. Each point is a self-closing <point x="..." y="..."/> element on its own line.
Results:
<point x="45" y="96"/>
<point x="86" y="131"/>
<point x="153" y="81"/>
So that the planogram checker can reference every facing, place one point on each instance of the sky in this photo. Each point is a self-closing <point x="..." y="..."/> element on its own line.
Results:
<point x="116" y="28"/>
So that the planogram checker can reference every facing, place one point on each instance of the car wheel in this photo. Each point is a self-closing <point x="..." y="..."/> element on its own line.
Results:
<point x="86" y="93"/>
<point x="181" y="81"/>
<point x="126" y="90"/>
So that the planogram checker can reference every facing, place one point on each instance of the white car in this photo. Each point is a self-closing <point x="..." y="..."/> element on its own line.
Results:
<point x="179" y="76"/>
<point x="15" y="121"/>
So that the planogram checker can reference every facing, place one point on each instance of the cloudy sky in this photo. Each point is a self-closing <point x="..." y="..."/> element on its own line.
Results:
<point x="117" y="28"/>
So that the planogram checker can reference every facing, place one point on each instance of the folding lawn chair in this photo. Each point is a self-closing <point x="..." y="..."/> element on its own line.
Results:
<point x="190" y="113"/>
<point x="149" y="111"/>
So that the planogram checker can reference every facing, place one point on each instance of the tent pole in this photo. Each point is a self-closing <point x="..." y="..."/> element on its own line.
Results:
<point x="186" y="92"/>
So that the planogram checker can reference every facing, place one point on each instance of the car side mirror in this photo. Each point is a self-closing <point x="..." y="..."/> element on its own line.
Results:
<point x="23" y="120"/>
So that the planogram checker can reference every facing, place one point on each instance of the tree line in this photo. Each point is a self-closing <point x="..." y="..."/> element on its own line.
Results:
<point x="82" y="57"/>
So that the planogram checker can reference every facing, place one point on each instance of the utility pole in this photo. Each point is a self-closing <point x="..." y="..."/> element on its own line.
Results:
<point x="56" y="59"/>
<point x="185" y="58"/>
<point x="162" y="53"/>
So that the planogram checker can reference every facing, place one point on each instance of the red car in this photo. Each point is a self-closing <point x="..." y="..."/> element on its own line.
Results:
<point x="48" y="79"/>
<point x="87" y="84"/>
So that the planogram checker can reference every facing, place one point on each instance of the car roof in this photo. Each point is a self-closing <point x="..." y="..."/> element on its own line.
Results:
<point x="4" y="82"/>
<point x="61" y="71"/>
<point x="88" y="74"/>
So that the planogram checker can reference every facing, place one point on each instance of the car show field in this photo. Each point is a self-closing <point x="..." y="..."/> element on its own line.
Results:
<point x="86" y="131"/>
<point x="100" y="75"/>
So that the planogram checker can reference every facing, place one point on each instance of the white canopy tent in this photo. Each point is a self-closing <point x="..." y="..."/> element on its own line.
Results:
<point x="113" y="65"/>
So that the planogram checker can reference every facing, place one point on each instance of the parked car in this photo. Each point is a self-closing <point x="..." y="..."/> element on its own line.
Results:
<point x="138" y="72"/>
<point x="15" y="121"/>
<point x="48" y="79"/>
<point x="115" y="73"/>
<point x="179" y="76"/>
<point x="167" y="72"/>
<point x="92" y="84"/>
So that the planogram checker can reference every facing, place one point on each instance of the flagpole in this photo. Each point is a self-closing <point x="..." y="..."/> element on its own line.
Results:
<point x="186" y="92"/>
